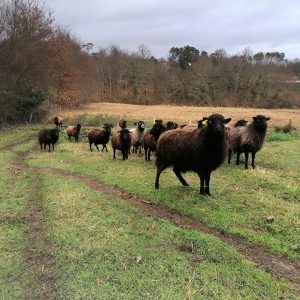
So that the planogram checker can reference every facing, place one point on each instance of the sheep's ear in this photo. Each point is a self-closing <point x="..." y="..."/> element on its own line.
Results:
<point x="268" y="118"/>
<point x="204" y="118"/>
<point x="255" y="118"/>
<point x="227" y="120"/>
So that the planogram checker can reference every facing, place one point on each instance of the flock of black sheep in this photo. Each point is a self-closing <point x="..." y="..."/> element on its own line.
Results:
<point x="200" y="148"/>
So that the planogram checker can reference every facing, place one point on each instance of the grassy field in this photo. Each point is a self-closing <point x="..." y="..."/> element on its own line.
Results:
<point x="65" y="236"/>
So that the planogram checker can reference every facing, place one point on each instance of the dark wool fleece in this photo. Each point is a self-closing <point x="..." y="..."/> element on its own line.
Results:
<point x="191" y="150"/>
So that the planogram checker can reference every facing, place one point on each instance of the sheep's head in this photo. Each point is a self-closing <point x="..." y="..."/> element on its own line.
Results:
<point x="78" y="127"/>
<point x="107" y="127"/>
<point x="260" y="122"/>
<point x="141" y="125"/>
<point x="241" y="122"/>
<point x="157" y="129"/>
<point x="124" y="134"/>
<point x="171" y="125"/>
<point x="216" y="124"/>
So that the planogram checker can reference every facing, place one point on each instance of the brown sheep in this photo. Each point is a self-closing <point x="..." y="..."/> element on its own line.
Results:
<point x="100" y="136"/>
<point x="151" y="137"/>
<point x="201" y="150"/>
<point x="58" y="121"/>
<point x="121" y="140"/>
<point x="73" y="131"/>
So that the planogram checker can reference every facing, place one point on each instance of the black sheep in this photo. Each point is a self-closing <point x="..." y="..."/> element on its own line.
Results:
<point x="121" y="140"/>
<point x="100" y="136"/>
<point x="201" y="150"/>
<point x="241" y="122"/>
<point x="47" y="137"/>
<point x="151" y="137"/>
<point x="246" y="139"/>
<point x="171" y="125"/>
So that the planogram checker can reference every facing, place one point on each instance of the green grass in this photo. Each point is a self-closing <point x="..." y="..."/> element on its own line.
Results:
<point x="13" y="279"/>
<point x="241" y="202"/>
<point x="103" y="248"/>
<point x="281" y="136"/>
<point x="98" y="120"/>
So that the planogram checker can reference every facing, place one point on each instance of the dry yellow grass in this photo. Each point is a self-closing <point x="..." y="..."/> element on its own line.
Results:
<point x="186" y="114"/>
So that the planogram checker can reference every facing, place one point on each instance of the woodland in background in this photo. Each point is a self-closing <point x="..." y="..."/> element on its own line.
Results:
<point x="44" y="68"/>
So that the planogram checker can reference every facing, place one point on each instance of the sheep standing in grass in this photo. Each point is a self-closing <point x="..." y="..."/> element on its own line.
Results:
<point x="201" y="150"/>
<point x="151" y="138"/>
<point x="246" y="139"/>
<point x="47" y="137"/>
<point x="73" y="131"/>
<point x="137" y="136"/>
<point x="121" y="140"/>
<point x="58" y="121"/>
<point x="100" y="136"/>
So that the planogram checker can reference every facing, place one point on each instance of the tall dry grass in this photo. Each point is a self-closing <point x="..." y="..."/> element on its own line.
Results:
<point x="186" y="114"/>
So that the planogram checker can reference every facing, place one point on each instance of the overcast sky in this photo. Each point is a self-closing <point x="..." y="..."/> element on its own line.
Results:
<point x="233" y="25"/>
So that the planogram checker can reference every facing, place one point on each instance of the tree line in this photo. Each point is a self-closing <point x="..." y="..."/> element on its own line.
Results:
<point x="43" y="68"/>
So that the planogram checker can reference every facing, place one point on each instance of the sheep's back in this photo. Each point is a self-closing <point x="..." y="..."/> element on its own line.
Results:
<point x="149" y="140"/>
<point x="252" y="140"/>
<point x="70" y="130"/>
<point x="190" y="150"/>
<point x="95" y="135"/>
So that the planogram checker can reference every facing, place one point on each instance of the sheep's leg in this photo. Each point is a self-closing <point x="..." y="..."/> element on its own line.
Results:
<point x="105" y="147"/>
<point x="41" y="145"/>
<point x="149" y="153"/>
<point x="114" y="153"/>
<point x="97" y="147"/>
<point x="146" y="150"/>
<point x="140" y="149"/>
<point x="206" y="187"/>
<point x="45" y="146"/>
<point x="246" y="159"/>
<point x="49" y="146"/>
<point x="253" y="160"/>
<point x="124" y="154"/>
<point x="238" y="153"/>
<point x="229" y="155"/>
<point x="91" y="147"/>
<point x="52" y="147"/>
<point x="179" y="176"/>
<point x="158" y="172"/>
<point x="204" y="183"/>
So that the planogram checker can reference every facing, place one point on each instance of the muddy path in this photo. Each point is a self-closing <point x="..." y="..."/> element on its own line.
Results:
<point x="38" y="257"/>
<point x="276" y="265"/>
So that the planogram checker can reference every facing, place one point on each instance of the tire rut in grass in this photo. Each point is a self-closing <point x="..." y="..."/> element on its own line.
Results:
<point x="38" y="257"/>
<point x="272" y="263"/>
<point x="276" y="265"/>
